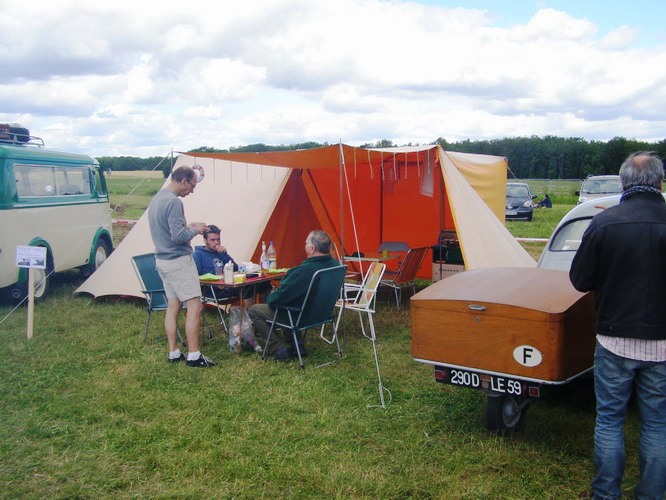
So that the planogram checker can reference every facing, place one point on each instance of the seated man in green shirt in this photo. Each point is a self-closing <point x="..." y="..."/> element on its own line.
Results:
<point x="291" y="292"/>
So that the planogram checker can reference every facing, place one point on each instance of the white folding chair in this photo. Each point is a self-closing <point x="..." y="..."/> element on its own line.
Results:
<point x="361" y="298"/>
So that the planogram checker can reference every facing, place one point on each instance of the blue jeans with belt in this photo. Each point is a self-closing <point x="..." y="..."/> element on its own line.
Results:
<point x="614" y="381"/>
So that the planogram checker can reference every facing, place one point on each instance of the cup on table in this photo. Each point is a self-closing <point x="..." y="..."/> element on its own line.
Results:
<point x="219" y="269"/>
<point x="385" y="253"/>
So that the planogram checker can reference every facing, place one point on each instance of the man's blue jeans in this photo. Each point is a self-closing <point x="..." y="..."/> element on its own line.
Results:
<point x="614" y="380"/>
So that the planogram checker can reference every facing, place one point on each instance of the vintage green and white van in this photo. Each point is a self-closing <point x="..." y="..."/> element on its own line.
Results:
<point x="52" y="199"/>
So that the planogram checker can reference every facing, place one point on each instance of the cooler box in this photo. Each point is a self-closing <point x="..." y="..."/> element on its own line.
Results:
<point x="523" y="322"/>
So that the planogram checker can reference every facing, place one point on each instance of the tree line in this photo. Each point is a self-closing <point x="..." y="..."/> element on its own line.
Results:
<point x="534" y="157"/>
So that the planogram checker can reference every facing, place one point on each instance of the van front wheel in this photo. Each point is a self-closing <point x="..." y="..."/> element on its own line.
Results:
<point x="42" y="281"/>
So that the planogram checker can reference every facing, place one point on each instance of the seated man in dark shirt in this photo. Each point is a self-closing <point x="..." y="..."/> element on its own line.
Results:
<point x="212" y="254"/>
<point x="292" y="292"/>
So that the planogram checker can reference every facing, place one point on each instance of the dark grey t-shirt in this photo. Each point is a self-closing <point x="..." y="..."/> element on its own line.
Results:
<point x="168" y="226"/>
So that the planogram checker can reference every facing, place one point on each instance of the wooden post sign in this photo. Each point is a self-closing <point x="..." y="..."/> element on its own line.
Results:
<point x="31" y="258"/>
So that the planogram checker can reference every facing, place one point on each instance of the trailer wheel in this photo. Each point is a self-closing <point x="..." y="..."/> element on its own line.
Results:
<point x="505" y="413"/>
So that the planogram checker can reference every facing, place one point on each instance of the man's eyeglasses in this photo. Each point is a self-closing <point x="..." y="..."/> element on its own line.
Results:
<point x="193" y="184"/>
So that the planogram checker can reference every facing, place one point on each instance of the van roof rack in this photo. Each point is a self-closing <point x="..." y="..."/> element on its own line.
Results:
<point x="13" y="133"/>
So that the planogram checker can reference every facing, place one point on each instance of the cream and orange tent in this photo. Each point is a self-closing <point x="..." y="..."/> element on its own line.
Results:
<point x="361" y="197"/>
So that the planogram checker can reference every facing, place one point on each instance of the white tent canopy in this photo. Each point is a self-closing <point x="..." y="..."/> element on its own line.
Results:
<point x="245" y="194"/>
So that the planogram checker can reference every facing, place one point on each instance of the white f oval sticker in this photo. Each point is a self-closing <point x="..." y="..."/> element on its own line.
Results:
<point x="527" y="355"/>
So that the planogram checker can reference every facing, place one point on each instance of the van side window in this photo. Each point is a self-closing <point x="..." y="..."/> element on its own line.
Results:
<point x="38" y="180"/>
<point x="33" y="180"/>
<point x="72" y="180"/>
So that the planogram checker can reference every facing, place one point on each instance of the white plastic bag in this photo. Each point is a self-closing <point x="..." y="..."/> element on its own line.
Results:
<point x="240" y="331"/>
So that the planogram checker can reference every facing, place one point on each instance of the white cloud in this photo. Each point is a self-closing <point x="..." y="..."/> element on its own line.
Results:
<point x="142" y="77"/>
<point x="619" y="38"/>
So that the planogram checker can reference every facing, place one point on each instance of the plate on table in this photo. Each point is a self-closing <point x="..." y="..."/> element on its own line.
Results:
<point x="210" y="277"/>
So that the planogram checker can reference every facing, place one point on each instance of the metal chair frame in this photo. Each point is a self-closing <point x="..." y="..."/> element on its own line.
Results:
<point x="219" y="304"/>
<point x="362" y="298"/>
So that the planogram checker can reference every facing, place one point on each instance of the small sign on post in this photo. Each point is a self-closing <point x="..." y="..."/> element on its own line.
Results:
<point x="31" y="258"/>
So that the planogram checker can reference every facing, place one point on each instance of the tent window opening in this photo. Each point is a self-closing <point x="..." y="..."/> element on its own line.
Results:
<point x="428" y="178"/>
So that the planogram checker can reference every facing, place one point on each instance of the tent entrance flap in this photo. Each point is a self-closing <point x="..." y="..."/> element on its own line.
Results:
<point x="289" y="224"/>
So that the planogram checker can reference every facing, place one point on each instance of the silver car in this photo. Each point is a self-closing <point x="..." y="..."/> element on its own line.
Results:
<point x="599" y="186"/>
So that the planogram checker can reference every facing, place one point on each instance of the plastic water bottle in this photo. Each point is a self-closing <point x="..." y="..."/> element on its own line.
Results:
<point x="263" y="260"/>
<point x="272" y="256"/>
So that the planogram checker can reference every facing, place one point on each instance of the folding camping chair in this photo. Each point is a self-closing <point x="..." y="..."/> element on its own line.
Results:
<point x="153" y="289"/>
<point x="361" y="298"/>
<point x="406" y="273"/>
<point x="316" y="309"/>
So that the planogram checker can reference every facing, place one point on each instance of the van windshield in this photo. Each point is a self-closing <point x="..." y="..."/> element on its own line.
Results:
<point x="569" y="236"/>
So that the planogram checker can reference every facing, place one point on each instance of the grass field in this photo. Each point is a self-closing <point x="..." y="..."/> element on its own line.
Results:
<point x="90" y="410"/>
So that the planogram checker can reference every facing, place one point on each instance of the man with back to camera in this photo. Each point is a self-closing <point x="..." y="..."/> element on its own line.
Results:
<point x="291" y="292"/>
<point x="173" y="257"/>
<point x="622" y="258"/>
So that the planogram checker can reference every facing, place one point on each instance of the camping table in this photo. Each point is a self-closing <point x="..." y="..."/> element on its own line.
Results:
<point x="373" y="258"/>
<point x="263" y="278"/>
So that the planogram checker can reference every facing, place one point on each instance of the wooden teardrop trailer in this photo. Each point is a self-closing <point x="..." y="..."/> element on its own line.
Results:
<point x="506" y="331"/>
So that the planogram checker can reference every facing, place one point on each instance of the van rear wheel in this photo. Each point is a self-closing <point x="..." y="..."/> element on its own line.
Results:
<point x="100" y="255"/>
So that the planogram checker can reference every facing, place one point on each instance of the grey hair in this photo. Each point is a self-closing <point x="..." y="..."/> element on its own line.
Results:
<point x="643" y="168"/>
<point x="320" y="240"/>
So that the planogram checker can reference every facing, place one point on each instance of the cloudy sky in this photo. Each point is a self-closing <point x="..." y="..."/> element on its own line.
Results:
<point x="142" y="77"/>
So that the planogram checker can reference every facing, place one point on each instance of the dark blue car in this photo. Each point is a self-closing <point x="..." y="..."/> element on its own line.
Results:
<point x="519" y="201"/>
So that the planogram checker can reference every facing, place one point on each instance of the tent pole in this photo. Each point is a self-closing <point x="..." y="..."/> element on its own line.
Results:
<point x="342" y="215"/>
<point x="381" y="203"/>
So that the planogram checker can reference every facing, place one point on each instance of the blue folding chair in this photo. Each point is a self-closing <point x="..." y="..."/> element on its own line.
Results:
<point x="316" y="309"/>
<point x="153" y="289"/>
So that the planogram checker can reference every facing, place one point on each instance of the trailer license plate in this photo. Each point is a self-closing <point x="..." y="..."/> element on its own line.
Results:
<point x="494" y="383"/>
